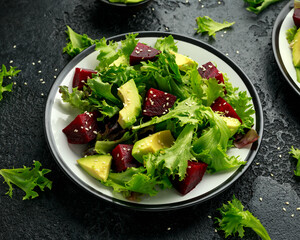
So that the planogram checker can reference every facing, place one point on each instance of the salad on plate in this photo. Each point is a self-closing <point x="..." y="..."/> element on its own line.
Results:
<point x="152" y="118"/>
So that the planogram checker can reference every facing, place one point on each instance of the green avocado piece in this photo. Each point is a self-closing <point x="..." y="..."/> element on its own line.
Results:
<point x="98" y="166"/>
<point x="296" y="49"/>
<point x="182" y="61"/>
<point x="152" y="144"/>
<point x="121" y="60"/>
<point x="232" y="123"/>
<point x="130" y="97"/>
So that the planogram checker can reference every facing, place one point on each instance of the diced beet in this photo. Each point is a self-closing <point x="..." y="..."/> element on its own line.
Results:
<point x="82" y="129"/>
<point x="143" y="52"/>
<point x="220" y="105"/>
<point x="122" y="158"/>
<point x="81" y="76"/>
<point x="157" y="102"/>
<point x="209" y="70"/>
<point x="194" y="174"/>
<point x="296" y="17"/>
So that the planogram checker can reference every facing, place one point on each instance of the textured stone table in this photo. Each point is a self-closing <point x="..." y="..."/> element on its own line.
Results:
<point x="37" y="28"/>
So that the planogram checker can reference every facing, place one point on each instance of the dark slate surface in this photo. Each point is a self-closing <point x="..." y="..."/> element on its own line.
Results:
<point x="37" y="28"/>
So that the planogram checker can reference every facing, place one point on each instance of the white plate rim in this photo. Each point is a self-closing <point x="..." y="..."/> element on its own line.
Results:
<point x="170" y="206"/>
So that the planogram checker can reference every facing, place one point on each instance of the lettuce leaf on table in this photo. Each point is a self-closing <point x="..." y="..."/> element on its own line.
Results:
<point x="27" y="179"/>
<point x="6" y="74"/>
<point x="296" y="154"/>
<point x="258" y="6"/>
<point x="234" y="219"/>
<point x="206" y="24"/>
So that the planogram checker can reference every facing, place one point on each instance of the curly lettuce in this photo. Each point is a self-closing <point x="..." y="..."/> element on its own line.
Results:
<point x="257" y="6"/>
<point x="296" y="154"/>
<point x="206" y="24"/>
<point x="27" y="179"/>
<point x="234" y="219"/>
<point x="77" y="42"/>
<point x="6" y="74"/>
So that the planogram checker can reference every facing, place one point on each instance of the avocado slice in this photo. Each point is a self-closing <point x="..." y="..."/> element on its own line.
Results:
<point x="130" y="97"/>
<point x="152" y="144"/>
<point x="182" y="61"/>
<point x="232" y="123"/>
<point x="121" y="60"/>
<point x="296" y="49"/>
<point x="98" y="166"/>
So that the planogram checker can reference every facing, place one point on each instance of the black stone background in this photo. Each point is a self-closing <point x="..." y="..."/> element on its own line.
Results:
<point x="37" y="28"/>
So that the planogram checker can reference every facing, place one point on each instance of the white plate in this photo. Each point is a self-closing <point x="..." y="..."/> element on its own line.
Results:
<point x="58" y="115"/>
<point x="281" y="48"/>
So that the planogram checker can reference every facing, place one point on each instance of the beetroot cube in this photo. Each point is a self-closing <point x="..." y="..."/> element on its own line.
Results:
<point x="220" y="105"/>
<point x="194" y="174"/>
<point x="209" y="70"/>
<point x="81" y="76"/>
<point x="82" y="129"/>
<point x="143" y="52"/>
<point x="157" y="102"/>
<point x="296" y="17"/>
<point x="122" y="158"/>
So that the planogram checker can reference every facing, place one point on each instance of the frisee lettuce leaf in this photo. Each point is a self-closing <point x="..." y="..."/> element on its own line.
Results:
<point x="107" y="53"/>
<point x="258" y="6"/>
<point x="243" y="106"/>
<point x="164" y="74"/>
<point x="106" y="146"/>
<point x="206" y="24"/>
<point x="6" y="74"/>
<point x="188" y="111"/>
<point x="207" y="90"/>
<point x="212" y="145"/>
<point x="136" y="180"/>
<point x="27" y="179"/>
<point x="82" y="101"/>
<point x="290" y="34"/>
<point x="102" y="90"/>
<point x="296" y="154"/>
<point x="174" y="160"/>
<point x="234" y="219"/>
<point x="77" y="43"/>
<point x="166" y="44"/>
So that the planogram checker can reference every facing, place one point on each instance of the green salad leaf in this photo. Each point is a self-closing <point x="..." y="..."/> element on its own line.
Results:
<point x="243" y="106"/>
<point x="235" y="218"/>
<point x="102" y="89"/>
<point x="77" y="43"/>
<point x="105" y="146"/>
<point x="296" y="154"/>
<point x="206" y="24"/>
<point x="166" y="44"/>
<point x="136" y="180"/>
<point x="258" y="6"/>
<point x="107" y="53"/>
<point x="27" y="179"/>
<point x="290" y="34"/>
<point x="173" y="160"/>
<point x="6" y="74"/>
<point x="212" y="145"/>
<point x="83" y="101"/>
<point x="188" y="111"/>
